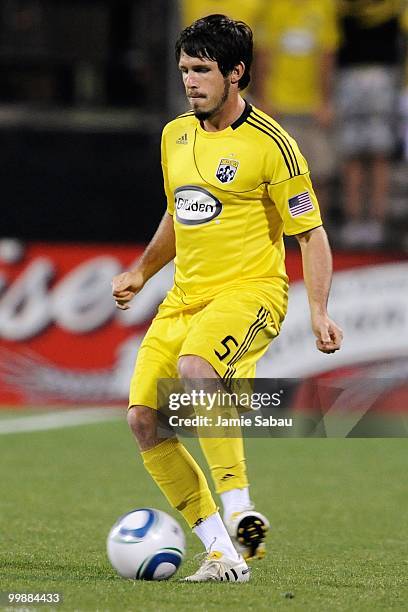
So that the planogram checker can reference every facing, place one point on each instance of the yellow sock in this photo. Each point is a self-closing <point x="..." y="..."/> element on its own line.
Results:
<point x="181" y="480"/>
<point x="226" y="459"/>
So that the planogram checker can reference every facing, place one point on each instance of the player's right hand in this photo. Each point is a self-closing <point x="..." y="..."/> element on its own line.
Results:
<point x="125" y="286"/>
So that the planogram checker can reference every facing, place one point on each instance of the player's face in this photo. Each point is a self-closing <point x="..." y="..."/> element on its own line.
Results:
<point x="206" y="88"/>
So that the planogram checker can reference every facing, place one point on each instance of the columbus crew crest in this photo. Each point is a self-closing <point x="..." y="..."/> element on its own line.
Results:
<point x="227" y="169"/>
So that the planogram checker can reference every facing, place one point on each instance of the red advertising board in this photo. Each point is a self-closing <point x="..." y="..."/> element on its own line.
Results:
<point x="62" y="339"/>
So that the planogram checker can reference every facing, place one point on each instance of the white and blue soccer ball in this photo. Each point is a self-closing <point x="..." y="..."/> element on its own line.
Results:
<point x="146" y="544"/>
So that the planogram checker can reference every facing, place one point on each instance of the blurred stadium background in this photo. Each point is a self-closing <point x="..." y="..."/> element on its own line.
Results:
<point x="86" y="87"/>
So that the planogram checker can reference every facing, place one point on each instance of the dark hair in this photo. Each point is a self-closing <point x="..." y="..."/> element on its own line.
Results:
<point x="220" y="39"/>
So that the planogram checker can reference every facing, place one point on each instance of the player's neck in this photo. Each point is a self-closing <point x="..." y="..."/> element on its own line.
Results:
<point x="227" y="115"/>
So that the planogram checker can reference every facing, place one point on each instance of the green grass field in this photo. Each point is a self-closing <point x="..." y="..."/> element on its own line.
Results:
<point x="338" y="510"/>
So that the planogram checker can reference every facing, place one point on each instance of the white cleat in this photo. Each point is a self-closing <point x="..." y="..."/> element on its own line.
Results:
<point x="248" y="531"/>
<point x="219" y="568"/>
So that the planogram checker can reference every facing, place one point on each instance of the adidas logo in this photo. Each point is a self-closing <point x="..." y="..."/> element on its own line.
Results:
<point x="226" y="476"/>
<point x="182" y="139"/>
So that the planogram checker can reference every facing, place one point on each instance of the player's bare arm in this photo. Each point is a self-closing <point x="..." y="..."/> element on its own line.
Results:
<point x="317" y="274"/>
<point x="325" y="113"/>
<point x="160" y="250"/>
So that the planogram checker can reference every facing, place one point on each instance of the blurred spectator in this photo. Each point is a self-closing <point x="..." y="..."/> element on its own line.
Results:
<point x="249" y="11"/>
<point x="369" y="76"/>
<point x="295" y="78"/>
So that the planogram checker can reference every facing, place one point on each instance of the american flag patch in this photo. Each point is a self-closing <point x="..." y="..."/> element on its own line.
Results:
<point x="300" y="204"/>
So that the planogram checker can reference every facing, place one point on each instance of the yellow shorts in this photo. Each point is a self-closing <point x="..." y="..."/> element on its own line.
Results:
<point x="231" y="332"/>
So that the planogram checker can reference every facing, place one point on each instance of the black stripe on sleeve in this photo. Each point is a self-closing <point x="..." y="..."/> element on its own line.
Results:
<point x="278" y="132"/>
<point x="281" y="138"/>
<point x="285" y="157"/>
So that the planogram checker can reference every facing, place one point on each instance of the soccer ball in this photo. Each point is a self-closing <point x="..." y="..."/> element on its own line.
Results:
<point x="146" y="544"/>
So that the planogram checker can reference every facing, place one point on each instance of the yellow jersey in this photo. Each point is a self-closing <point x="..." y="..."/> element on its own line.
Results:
<point x="295" y="35"/>
<point x="232" y="195"/>
<point x="249" y="11"/>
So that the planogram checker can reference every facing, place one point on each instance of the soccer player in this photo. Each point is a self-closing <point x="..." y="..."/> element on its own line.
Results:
<point x="235" y="181"/>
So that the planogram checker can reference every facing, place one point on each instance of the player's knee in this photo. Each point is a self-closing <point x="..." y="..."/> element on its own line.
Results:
<point x="143" y="424"/>
<point x="192" y="366"/>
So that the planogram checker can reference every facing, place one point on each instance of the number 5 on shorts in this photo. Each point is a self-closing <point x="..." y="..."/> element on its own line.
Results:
<point x="227" y="348"/>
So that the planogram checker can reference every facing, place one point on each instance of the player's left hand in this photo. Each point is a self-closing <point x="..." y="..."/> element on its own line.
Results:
<point x="329" y="335"/>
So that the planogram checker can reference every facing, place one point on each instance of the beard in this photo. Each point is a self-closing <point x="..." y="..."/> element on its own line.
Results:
<point x="204" y="115"/>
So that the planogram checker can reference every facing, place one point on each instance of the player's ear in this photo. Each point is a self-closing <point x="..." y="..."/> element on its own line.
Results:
<point x="237" y="72"/>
